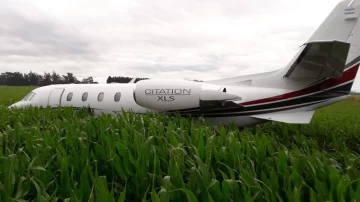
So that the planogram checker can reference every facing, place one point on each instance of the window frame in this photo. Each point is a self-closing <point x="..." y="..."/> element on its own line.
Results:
<point x="27" y="97"/>
<point x="118" y="93"/>
<point x="82" y="97"/>
<point x="32" y="96"/>
<point x="67" y="97"/>
<point x="98" y="97"/>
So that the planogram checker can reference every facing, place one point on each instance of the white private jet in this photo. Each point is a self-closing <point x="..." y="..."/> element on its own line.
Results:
<point x="320" y="74"/>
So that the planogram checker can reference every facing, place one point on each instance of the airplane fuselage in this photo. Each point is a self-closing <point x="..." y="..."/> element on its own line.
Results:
<point x="321" y="73"/>
<point x="114" y="98"/>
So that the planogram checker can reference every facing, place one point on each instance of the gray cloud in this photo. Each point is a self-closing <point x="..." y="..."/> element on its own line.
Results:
<point x="171" y="68"/>
<point x="39" y="37"/>
<point x="204" y="39"/>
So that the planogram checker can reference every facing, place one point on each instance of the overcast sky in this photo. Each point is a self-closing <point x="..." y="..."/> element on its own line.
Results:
<point x="196" y="39"/>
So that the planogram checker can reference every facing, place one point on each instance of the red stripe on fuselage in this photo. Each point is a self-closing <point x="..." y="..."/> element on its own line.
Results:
<point x="348" y="75"/>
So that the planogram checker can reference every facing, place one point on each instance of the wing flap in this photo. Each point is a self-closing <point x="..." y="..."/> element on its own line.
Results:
<point x="320" y="59"/>
<point x="295" y="117"/>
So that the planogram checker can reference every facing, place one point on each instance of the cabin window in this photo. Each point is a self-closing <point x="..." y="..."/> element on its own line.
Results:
<point x="117" y="97"/>
<point x="84" y="97"/>
<point x="26" y="98"/>
<point x="69" y="97"/>
<point x="100" y="97"/>
<point x="32" y="96"/>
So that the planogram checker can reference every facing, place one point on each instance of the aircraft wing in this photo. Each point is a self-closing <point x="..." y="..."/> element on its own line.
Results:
<point x="289" y="117"/>
<point x="320" y="59"/>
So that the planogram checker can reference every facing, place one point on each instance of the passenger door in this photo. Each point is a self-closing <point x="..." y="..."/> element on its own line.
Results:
<point x="55" y="97"/>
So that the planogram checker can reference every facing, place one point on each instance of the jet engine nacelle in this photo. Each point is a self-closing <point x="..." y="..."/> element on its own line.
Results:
<point x="169" y="95"/>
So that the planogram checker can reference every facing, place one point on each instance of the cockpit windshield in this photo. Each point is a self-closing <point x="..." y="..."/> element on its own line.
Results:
<point x="28" y="97"/>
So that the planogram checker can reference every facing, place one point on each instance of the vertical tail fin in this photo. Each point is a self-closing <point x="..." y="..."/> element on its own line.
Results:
<point x="332" y="54"/>
<point x="342" y="24"/>
<point x="333" y="51"/>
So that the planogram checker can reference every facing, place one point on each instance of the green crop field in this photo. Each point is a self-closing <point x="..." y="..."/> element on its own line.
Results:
<point x="68" y="155"/>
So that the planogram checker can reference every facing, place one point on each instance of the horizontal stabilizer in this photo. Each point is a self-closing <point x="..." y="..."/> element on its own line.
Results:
<point x="289" y="117"/>
<point x="320" y="59"/>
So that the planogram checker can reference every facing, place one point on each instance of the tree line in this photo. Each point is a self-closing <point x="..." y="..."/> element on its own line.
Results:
<point x="121" y="79"/>
<point x="35" y="79"/>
